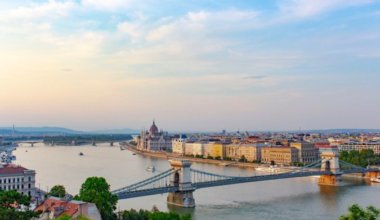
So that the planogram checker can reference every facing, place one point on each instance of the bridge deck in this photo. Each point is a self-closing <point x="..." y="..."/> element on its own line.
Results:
<point x="130" y="192"/>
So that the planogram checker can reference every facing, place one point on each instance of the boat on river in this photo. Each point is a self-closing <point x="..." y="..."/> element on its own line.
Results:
<point x="150" y="169"/>
<point x="375" y="179"/>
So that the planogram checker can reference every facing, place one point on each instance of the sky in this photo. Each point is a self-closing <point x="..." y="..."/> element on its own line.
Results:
<point x="191" y="65"/>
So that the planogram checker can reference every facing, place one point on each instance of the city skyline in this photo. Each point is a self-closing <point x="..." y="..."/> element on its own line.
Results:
<point x="199" y="65"/>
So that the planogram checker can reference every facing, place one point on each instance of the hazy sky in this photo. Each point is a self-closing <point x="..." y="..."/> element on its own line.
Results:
<point x="191" y="65"/>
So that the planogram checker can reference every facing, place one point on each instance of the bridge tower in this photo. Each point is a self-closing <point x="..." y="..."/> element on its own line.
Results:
<point x="330" y="162"/>
<point x="181" y="178"/>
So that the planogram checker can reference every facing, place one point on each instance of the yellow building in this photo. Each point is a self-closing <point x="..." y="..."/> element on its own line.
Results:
<point x="280" y="155"/>
<point x="218" y="150"/>
<point x="250" y="151"/>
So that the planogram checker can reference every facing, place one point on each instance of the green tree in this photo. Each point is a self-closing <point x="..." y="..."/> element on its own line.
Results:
<point x="152" y="215"/>
<point x="360" y="158"/>
<point x="10" y="201"/>
<point x="64" y="217"/>
<point x="97" y="190"/>
<point x="355" y="212"/>
<point x="58" y="191"/>
<point x="243" y="159"/>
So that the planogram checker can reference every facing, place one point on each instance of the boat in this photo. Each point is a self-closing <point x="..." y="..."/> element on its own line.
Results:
<point x="150" y="168"/>
<point x="81" y="154"/>
<point x="375" y="179"/>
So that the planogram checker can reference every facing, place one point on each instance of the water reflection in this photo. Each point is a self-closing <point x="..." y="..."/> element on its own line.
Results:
<point x="329" y="196"/>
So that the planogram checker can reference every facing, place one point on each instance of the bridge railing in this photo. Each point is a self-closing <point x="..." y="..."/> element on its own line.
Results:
<point x="150" y="181"/>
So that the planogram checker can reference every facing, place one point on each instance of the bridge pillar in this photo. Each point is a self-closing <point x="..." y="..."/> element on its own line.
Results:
<point x="372" y="174"/>
<point x="330" y="162"/>
<point x="181" y="178"/>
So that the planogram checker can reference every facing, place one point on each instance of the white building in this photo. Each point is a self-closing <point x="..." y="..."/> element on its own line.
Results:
<point x="178" y="146"/>
<point x="361" y="146"/>
<point x="14" y="177"/>
<point x="198" y="148"/>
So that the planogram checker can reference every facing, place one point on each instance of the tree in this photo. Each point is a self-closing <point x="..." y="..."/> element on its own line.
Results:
<point x="152" y="215"/>
<point x="58" y="191"/>
<point x="243" y="159"/>
<point x="97" y="190"/>
<point x="355" y="212"/>
<point x="10" y="202"/>
<point x="64" y="217"/>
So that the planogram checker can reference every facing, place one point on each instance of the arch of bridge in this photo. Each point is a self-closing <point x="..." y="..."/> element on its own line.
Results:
<point x="182" y="175"/>
<point x="330" y="161"/>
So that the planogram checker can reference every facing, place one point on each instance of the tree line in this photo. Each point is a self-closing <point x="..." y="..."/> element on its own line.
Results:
<point x="361" y="158"/>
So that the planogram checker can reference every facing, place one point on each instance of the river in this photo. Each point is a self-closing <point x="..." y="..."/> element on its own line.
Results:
<point x="300" y="198"/>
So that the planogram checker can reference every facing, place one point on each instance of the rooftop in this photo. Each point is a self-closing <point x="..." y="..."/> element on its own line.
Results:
<point x="11" y="169"/>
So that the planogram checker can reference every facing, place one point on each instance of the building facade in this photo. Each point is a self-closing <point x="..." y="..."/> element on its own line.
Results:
<point x="307" y="152"/>
<point x="361" y="146"/>
<point x="178" y="146"/>
<point x="154" y="140"/>
<point x="218" y="150"/>
<point x="251" y="152"/>
<point x="198" y="149"/>
<point x="13" y="177"/>
<point x="279" y="155"/>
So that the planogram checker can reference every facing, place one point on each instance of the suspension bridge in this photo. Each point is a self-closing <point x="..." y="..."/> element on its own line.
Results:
<point x="181" y="180"/>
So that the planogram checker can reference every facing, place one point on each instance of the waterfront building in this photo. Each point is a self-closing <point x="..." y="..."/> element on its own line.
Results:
<point x="218" y="150"/>
<point x="280" y="155"/>
<point x="252" y="152"/>
<point x="208" y="149"/>
<point x="198" y="148"/>
<point x="14" y="177"/>
<point x="154" y="140"/>
<point x="54" y="207"/>
<point x="189" y="148"/>
<point x="178" y="146"/>
<point x="307" y="152"/>
<point x="361" y="146"/>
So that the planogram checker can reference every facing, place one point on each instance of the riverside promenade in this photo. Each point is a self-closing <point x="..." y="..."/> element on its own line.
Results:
<point x="167" y="156"/>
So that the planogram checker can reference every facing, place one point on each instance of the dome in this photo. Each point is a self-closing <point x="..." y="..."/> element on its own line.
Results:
<point x="153" y="129"/>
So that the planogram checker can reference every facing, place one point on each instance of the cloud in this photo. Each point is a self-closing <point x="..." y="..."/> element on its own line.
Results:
<point x="107" y="5"/>
<point x="255" y="77"/>
<point x="204" y="23"/>
<point x="310" y="8"/>
<point x="48" y="10"/>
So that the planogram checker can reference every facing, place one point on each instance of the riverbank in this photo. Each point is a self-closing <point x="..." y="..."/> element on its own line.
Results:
<point x="167" y="156"/>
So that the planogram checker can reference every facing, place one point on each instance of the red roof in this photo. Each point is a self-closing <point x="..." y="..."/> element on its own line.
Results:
<point x="52" y="204"/>
<point x="12" y="169"/>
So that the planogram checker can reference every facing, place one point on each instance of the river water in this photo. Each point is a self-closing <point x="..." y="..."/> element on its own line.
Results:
<point x="300" y="198"/>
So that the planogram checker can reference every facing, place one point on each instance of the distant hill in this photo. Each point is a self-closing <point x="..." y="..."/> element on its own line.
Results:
<point x="60" y="131"/>
<point x="116" y="131"/>
<point x="37" y="130"/>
